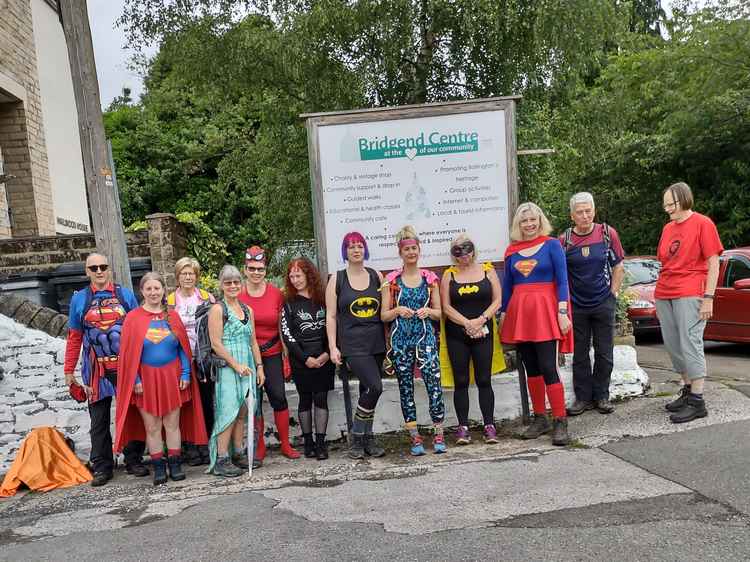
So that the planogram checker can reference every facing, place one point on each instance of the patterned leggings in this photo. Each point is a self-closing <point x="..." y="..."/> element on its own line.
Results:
<point x="403" y="363"/>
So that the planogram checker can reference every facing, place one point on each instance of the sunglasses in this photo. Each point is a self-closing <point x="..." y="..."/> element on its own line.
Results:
<point x="255" y="269"/>
<point x="463" y="249"/>
<point x="95" y="268"/>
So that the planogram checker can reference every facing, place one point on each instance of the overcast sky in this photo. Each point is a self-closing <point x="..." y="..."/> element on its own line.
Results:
<point x="111" y="56"/>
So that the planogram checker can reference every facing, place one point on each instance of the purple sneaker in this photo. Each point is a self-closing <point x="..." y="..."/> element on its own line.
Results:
<point x="462" y="435"/>
<point x="490" y="434"/>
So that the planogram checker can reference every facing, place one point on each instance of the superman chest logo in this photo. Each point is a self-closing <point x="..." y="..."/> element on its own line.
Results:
<point x="104" y="317"/>
<point x="156" y="335"/>
<point x="468" y="289"/>
<point x="525" y="267"/>
<point x="364" y="307"/>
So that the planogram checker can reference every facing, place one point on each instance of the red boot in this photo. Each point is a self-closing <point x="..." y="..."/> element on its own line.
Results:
<point x="282" y="425"/>
<point x="260" y="427"/>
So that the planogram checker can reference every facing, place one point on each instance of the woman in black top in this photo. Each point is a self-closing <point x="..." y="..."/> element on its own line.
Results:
<point x="356" y="336"/>
<point x="471" y="295"/>
<point x="303" y="328"/>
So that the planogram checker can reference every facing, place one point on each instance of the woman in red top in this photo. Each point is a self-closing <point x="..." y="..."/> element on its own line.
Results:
<point x="689" y="251"/>
<point x="266" y="302"/>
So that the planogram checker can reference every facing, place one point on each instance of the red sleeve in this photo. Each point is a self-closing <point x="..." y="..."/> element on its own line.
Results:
<point x="709" y="239"/>
<point x="616" y="244"/>
<point x="72" y="350"/>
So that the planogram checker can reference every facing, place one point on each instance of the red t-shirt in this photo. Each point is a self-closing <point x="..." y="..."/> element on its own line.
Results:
<point x="684" y="249"/>
<point x="266" y="310"/>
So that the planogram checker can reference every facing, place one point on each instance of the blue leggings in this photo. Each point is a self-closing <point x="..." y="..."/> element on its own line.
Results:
<point x="403" y="364"/>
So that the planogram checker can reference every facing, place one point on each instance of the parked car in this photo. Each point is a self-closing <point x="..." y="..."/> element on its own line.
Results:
<point x="731" y="318"/>
<point x="641" y="273"/>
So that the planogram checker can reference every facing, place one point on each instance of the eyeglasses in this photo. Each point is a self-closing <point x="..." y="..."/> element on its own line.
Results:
<point x="233" y="282"/>
<point x="95" y="268"/>
<point x="254" y="269"/>
<point x="187" y="274"/>
<point x="670" y="205"/>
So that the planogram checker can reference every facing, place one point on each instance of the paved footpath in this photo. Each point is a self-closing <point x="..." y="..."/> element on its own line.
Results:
<point x="632" y="487"/>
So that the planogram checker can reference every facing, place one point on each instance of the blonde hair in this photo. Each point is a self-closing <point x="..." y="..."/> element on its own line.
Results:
<point x="187" y="261"/>
<point x="460" y="239"/>
<point x="406" y="233"/>
<point x="515" y="229"/>
<point x="154" y="276"/>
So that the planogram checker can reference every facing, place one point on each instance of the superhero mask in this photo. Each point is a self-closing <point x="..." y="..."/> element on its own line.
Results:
<point x="462" y="249"/>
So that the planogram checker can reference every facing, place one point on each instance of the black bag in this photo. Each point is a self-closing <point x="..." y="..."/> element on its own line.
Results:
<point x="206" y="361"/>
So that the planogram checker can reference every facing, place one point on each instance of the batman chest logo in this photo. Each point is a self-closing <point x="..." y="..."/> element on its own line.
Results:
<point x="468" y="289"/>
<point x="525" y="267"/>
<point x="364" y="307"/>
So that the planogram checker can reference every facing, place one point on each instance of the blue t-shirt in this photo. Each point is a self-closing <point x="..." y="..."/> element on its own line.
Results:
<point x="590" y="264"/>
<point x="161" y="348"/>
<point x="547" y="265"/>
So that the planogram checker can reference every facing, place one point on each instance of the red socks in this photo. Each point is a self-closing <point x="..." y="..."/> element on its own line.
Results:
<point x="174" y="452"/>
<point x="260" y="428"/>
<point x="556" y="395"/>
<point x="282" y="425"/>
<point x="536" y="390"/>
<point x="156" y="456"/>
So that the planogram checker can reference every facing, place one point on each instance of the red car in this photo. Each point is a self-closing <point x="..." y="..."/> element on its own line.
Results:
<point x="731" y="318"/>
<point x="641" y="273"/>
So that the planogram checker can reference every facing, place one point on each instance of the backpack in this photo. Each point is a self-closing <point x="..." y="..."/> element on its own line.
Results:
<point x="90" y="297"/>
<point x="206" y="360"/>
<point x="607" y="245"/>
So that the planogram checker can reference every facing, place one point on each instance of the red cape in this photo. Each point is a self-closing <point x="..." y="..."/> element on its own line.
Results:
<point x="128" y="422"/>
<point x="523" y="244"/>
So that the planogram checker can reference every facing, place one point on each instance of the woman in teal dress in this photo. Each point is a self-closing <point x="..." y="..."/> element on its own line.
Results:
<point x="232" y="332"/>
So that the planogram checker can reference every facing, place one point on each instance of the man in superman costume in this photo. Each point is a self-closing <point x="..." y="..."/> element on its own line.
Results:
<point x="95" y="321"/>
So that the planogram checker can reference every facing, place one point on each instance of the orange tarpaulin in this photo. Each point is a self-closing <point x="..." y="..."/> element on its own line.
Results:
<point x="44" y="462"/>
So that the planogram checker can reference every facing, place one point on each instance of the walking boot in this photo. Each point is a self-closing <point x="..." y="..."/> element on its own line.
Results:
<point x="357" y="446"/>
<point x="539" y="426"/>
<point x="580" y="406"/>
<point x="191" y="454"/>
<point x="371" y="446"/>
<point x="204" y="454"/>
<point x="224" y="467"/>
<point x="604" y="406"/>
<point x="160" y="471"/>
<point x="175" y="468"/>
<point x="695" y="407"/>
<point x="321" y="446"/>
<point x="240" y="460"/>
<point x="310" y="452"/>
<point x="560" y="435"/>
<point x="282" y="425"/>
<point x="681" y="400"/>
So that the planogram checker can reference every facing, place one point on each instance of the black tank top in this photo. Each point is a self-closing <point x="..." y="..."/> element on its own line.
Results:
<point x="470" y="299"/>
<point x="359" y="330"/>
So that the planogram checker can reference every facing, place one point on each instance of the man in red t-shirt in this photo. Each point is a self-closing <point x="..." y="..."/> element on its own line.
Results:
<point x="689" y="251"/>
<point x="266" y="302"/>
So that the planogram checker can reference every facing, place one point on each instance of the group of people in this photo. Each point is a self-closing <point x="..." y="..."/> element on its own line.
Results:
<point x="557" y="295"/>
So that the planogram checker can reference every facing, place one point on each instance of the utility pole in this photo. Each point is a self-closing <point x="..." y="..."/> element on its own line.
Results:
<point x="106" y="219"/>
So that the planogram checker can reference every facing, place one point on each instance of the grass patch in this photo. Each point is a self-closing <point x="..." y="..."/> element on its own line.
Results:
<point x="576" y="444"/>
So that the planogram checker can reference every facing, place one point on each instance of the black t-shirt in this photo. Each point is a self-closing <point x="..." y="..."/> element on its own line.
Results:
<point x="359" y="329"/>
<point x="470" y="299"/>
<point x="303" y="327"/>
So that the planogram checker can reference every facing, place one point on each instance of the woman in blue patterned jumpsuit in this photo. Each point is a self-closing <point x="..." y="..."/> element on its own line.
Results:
<point x="411" y="302"/>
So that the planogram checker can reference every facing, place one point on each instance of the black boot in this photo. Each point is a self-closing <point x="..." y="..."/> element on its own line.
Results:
<point x="175" y="468"/>
<point x="191" y="454"/>
<point x="560" y="435"/>
<point x="205" y="455"/>
<point x="371" y="446"/>
<point x="539" y="426"/>
<point x="160" y="471"/>
<point x="679" y="403"/>
<point x="321" y="446"/>
<point x="357" y="446"/>
<point x="695" y="407"/>
<point x="310" y="452"/>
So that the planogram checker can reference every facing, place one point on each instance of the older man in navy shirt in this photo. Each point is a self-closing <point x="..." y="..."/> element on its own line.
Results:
<point x="594" y="257"/>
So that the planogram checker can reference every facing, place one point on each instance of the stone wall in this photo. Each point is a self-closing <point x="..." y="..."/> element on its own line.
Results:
<point x="20" y="255"/>
<point x="21" y="125"/>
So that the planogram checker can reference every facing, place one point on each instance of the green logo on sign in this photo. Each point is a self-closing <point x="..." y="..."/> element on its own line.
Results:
<point x="436" y="143"/>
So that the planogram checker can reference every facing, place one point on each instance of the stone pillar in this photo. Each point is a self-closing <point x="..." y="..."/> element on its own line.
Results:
<point x="168" y="241"/>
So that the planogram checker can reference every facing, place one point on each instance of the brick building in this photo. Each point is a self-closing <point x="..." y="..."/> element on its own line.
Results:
<point x="42" y="186"/>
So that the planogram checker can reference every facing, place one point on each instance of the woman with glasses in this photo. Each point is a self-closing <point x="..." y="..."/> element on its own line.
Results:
<point x="689" y="251"/>
<point x="232" y="332"/>
<point x="356" y="336"/>
<point x="471" y="295"/>
<point x="266" y="301"/>
<point x="185" y="301"/>
<point x="157" y="389"/>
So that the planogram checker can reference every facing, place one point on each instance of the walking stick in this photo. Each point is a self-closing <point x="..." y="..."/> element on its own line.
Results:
<point x="343" y="370"/>
<point x="251" y="437"/>
<point x="525" y="414"/>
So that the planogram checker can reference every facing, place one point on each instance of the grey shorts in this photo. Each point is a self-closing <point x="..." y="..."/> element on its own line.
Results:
<point x="682" y="332"/>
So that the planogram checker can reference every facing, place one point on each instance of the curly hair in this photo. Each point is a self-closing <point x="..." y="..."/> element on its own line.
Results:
<point x="314" y="284"/>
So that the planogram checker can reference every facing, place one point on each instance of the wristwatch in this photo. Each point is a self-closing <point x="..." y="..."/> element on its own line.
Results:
<point x="707" y="296"/>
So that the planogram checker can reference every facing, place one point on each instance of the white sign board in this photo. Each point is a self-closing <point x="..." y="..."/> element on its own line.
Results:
<point x="443" y="174"/>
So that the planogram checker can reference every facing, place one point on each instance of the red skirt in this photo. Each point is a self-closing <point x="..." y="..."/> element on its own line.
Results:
<point x="161" y="389"/>
<point x="532" y="316"/>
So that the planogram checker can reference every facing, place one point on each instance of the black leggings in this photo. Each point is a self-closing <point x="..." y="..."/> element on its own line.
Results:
<point x="368" y="369"/>
<point x="540" y="358"/>
<point x="273" y="368"/>
<point x="479" y="351"/>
